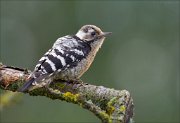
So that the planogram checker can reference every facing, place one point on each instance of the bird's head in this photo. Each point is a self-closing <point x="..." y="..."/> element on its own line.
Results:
<point x="91" y="33"/>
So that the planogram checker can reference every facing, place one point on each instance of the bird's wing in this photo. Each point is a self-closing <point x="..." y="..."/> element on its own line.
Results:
<point x="66" y="53"/>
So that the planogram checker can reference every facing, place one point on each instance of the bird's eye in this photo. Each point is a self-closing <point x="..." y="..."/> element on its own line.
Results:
<point x="93" y="33"/>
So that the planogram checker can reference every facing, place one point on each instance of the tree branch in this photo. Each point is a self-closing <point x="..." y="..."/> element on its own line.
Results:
<point x="107" y="104"/>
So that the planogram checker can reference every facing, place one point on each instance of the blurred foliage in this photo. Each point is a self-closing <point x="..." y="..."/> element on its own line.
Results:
<point x="142" y="54"/>
<point x="8" y="98"/>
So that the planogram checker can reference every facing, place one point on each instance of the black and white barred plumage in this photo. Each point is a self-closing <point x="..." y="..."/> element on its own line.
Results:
<point x="68" y="59"/>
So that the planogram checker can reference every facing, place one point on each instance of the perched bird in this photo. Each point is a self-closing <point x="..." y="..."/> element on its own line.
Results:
<point x="69" y="57"/>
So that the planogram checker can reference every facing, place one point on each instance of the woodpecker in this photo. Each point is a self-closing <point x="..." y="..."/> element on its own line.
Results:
<point x="68" y="59"/>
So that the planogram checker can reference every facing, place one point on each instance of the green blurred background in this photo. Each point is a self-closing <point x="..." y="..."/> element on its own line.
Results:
<point x="141" y="56"/>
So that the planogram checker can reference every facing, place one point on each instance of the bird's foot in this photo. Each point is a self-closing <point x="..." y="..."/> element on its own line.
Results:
<point x="77" y="81"/>
<point x="73" y="81"/>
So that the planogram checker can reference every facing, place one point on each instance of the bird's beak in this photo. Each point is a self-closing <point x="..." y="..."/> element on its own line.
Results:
<point x="104" y="34"/>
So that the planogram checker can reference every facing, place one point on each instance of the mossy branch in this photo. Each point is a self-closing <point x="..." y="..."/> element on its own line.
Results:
<point x="107" y="104"/>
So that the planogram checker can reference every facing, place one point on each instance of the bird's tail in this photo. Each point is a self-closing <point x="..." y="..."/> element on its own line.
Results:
<point x="27" y="85"/>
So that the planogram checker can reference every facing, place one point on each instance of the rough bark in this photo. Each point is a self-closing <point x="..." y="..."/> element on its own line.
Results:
<point x="107" y="104"/>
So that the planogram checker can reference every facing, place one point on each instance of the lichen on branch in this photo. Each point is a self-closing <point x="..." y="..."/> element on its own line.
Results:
<point x="107" y="104"/>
